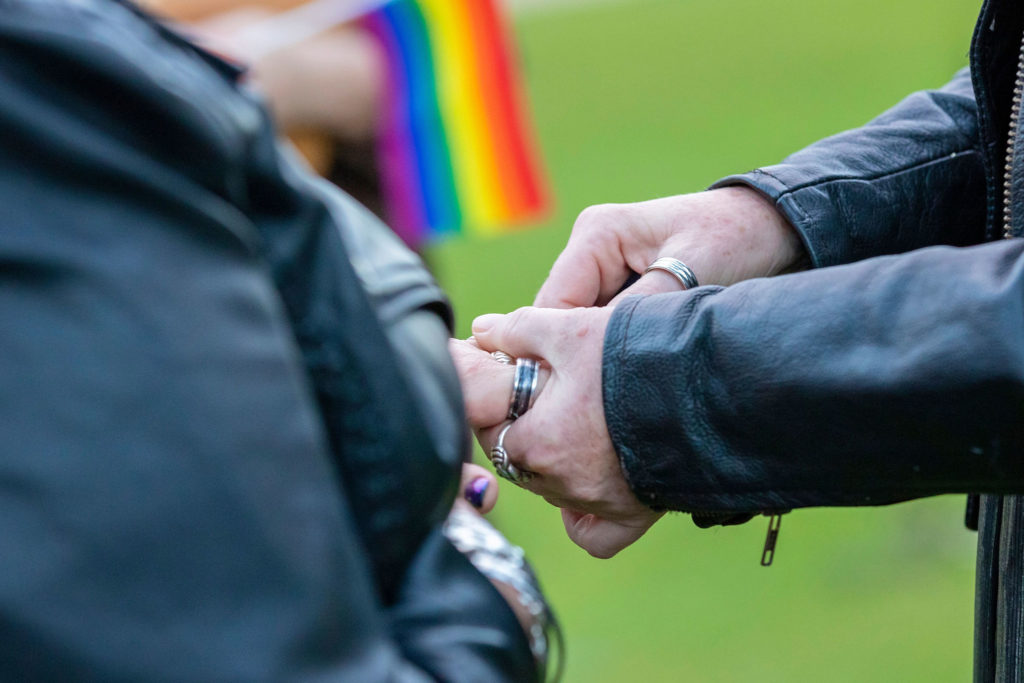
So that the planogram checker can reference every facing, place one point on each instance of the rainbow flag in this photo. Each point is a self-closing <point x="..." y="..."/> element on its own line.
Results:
<point x="456" y="151"/>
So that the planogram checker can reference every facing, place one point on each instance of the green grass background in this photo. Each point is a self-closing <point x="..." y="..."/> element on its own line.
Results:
<point x="657" y="97"/>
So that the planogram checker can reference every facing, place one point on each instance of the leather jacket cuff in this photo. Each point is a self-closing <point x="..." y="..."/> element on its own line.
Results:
<point x="637" y="407"/>
<point x="808" y="212"/>
<point x="671" y="457"/>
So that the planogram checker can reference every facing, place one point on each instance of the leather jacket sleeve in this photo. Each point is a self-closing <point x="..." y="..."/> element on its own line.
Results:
<point x="170" y="505"/>
<point x="888" y="379"/>
<point x="911" y="178"/>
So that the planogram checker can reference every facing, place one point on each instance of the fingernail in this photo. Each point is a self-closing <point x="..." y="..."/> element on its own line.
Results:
<point x="475" y="491"/>
<point x="485" y="322"/>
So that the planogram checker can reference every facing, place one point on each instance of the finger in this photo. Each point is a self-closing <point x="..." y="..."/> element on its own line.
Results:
<point x="654" y="282"/>
<point x="479" y="488"/>
<point x="600" y="537"/>
<point x="574" y="280"/>
<point x="487" y="383"/>
<point x="515" y="445"/>
<point x="592" y="267"/>
<point x="525" y="332"/>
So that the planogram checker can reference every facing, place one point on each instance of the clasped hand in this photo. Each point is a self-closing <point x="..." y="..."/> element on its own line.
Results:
<point x="724" y="236"/>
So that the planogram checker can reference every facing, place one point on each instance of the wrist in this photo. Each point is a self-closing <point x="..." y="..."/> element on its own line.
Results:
<point x="773" y="243"/>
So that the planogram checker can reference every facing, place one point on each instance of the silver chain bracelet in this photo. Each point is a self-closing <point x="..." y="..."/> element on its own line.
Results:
<point x="499" y="560"/>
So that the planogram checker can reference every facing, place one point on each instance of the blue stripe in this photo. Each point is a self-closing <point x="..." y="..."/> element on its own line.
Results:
<point x="433" y="159"/>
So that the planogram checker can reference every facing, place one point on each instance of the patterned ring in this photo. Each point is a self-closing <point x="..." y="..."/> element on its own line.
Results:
<point x="504" y="468"/>
<point x="502" y="357"/>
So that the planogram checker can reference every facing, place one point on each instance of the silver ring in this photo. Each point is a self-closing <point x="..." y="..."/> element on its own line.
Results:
<point x="675" y="267"/>
<point x="502" y="357"/>
<point x="524" y="383"/>
<point x="502" y="465"/>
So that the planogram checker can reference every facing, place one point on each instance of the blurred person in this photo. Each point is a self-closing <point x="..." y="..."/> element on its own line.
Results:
<point x="232" y="433"/>
<point x="893" y="369"/>
<point x="415" y="107"/>
<point x="324" y="91"/>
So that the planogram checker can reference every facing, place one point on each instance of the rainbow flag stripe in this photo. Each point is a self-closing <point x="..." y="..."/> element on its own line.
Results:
<point x="456" y="152"/>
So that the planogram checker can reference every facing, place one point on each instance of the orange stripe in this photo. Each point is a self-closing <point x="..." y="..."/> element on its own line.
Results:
<point x="476" y="173"/>
<point x="514" y="147"/>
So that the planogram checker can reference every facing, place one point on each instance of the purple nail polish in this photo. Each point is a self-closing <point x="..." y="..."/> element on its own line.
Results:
<point x="475" y="491"/>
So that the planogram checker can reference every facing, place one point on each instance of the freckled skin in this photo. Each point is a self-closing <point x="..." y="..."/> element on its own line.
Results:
<point x="725" y="236"/>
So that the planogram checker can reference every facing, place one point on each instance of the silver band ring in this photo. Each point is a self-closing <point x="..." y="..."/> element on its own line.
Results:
<point x="502" y="465"/>
<point x="677" y="268"/>
<point x="502" y="357"/>
<point x="524" y="383"/>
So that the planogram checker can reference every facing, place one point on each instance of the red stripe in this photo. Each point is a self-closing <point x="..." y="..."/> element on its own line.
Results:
<point x="516" y="155"/>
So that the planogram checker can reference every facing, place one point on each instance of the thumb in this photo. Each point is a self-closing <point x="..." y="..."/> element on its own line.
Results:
<point x="521" y="333"/>
<point x="574" y="280"/>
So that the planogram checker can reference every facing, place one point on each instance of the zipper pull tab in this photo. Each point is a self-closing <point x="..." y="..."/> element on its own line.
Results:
<point x="774" y="522"/>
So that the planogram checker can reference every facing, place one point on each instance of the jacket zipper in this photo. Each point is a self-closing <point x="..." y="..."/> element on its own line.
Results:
<point x="1011" y="139"/>
<point x="768" y="554"/>
<point x="775" y="518"/>
<point x="770" y="539"/>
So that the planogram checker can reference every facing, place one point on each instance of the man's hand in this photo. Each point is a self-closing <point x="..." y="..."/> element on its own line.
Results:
<point x="562" y="439"/>
<point x="724" y="236"/>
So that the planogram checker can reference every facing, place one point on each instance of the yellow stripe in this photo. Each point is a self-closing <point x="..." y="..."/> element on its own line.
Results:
<point x="461" y="103"/>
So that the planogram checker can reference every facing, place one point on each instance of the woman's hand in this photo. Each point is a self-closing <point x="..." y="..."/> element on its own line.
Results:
<point x="724" y="236"/>
<point x="562" y="439"/>
<point x="487" y="383"/>
<point x="478" y="489"/>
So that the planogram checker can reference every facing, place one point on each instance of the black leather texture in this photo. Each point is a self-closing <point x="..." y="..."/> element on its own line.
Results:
<point x="228" y="422"/>
<point x="892" y="371"/>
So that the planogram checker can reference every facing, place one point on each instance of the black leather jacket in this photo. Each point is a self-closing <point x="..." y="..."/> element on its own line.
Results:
<point x="894" y="370"/>
<point x="215" y="464"/>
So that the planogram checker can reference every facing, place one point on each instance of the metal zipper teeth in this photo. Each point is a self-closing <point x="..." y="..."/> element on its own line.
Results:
<point x="1011" y="138"/>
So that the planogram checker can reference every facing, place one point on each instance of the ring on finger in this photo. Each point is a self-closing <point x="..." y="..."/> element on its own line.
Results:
<point x="502" y="357"/>
<point x="502" y="465"/>
<point x="524" y="384"/>
<point x="676" y="268"/>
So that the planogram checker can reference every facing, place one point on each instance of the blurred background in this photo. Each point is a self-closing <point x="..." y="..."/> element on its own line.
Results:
<point x="634" y="99"/>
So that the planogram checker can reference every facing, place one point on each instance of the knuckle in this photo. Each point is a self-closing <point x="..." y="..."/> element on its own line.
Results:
<point x="516" y="320"/>
<point x="598" y="217"/>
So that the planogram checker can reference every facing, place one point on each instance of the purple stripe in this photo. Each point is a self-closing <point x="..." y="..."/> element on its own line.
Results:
<point x="395" y="149"/>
